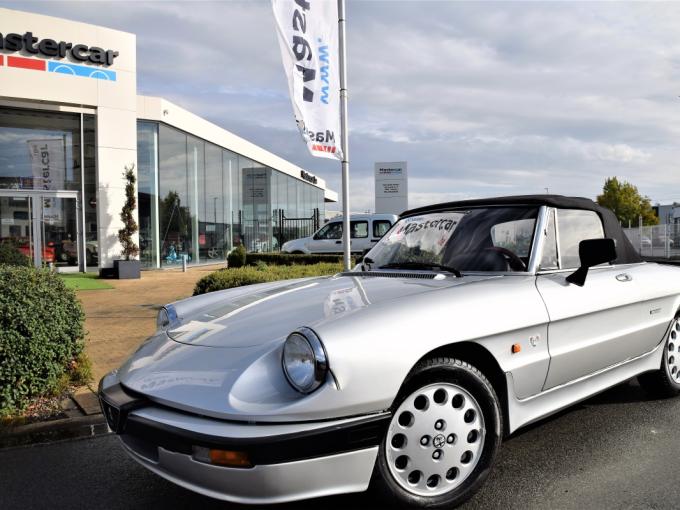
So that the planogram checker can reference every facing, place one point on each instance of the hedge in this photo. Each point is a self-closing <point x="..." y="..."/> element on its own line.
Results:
<point x="290" y="259"/>
<point x="237" y="257"/>
<point x="10" y="254"/>
<point x="41" y="333"/>
<point x="237" y="277"/>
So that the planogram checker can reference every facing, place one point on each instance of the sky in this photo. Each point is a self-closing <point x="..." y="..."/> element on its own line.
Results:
<point x="481" y="99"/>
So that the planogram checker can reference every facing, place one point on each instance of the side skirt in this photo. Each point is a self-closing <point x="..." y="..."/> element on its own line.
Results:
<point x="531" y="409"/>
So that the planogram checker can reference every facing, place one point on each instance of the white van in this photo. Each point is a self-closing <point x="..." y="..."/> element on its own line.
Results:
<point x="366" y="230"/>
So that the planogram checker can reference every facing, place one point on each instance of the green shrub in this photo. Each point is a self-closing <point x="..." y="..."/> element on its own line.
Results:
<point x="289" y="259"/>
<point x="237" y="257"/>
<point x="41" y="333"/>
<point x="10" y="255"/>
<point x="229" y="278"/>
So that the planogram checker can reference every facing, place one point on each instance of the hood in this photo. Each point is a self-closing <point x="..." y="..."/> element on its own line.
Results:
<point x="224" y="360"/>
<point x="269" y="313"/>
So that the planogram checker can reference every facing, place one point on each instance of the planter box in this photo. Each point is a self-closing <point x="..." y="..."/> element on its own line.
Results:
<point x="127" y="269"/>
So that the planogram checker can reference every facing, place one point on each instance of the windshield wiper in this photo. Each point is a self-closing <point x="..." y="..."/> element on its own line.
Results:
<point x="421" y="265"/>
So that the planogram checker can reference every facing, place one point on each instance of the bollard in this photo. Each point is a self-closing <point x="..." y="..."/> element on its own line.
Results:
<point x="184" y="263"/>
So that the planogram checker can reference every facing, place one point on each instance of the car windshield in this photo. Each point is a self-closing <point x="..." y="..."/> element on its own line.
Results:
<point x="479" y="239"/>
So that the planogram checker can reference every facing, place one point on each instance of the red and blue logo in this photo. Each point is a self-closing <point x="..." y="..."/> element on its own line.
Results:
<point x="50" y="66"/>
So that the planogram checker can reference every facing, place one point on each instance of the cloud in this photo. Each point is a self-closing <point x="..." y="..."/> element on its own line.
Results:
<point x="480" y="98"/>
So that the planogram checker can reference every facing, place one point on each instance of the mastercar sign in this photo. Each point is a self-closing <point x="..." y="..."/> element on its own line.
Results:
<point x="308" y="38"/>
<point x="51" y="48"/>
<point x="391" y="187"/>
<point x="96" y="58"/>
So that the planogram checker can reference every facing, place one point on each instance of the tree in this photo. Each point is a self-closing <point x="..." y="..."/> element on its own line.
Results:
<point x="130" y="249"/>
<point x="625" y="200"/>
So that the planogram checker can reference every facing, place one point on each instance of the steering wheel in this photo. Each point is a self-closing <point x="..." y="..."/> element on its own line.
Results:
<point x="515" y="263"/>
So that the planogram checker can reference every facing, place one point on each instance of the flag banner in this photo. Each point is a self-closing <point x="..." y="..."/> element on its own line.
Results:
<point x="48" y="162"/>
<point x="308" y="38"/>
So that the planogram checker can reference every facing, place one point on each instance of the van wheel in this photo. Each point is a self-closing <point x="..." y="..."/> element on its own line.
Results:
<point x="665" y="382"/>
<point x="445" y="432"/>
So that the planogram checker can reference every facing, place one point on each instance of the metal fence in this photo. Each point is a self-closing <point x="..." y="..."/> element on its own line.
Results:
<point x="295" y="228"/>
<point x="662" y="241"/>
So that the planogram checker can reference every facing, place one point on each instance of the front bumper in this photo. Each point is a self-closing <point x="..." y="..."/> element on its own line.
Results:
<point x="290" y="461"/>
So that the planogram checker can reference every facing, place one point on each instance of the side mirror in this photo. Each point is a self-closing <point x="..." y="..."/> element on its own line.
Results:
<point x="592" y="252"/>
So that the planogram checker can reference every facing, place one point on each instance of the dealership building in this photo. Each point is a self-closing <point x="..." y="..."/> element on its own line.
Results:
<point x="71" y="123"/>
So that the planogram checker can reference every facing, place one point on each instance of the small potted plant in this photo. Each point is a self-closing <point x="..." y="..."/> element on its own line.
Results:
<point x="128" y="267"/>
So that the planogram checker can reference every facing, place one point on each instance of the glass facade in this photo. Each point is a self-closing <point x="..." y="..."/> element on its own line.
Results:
<point x="44" y="153"/>
<point x="198" y="200"/>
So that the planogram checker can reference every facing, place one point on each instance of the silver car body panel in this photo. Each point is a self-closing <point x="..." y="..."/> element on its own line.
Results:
<point x="274" y="483"/>
<point x="522" y="412"/>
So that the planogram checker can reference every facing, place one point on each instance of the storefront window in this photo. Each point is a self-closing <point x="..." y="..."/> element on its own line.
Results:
<point x="42" y="151"/>
<point x="26" y="136"/>
<point x="197" y="205"/>
<point x="211" y="199"/>
<point x="175" y="220"/>
<point x="90" y="188"/>
<point x="214" y="243"/>
<point x="147" y="162"/>
<point x="232" y="194"/>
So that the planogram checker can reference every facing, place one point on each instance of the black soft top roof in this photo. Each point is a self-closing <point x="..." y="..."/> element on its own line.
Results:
<point x="626" y="254"/>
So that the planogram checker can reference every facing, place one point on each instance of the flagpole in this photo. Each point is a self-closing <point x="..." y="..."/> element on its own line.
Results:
<point x="344" y="142"/>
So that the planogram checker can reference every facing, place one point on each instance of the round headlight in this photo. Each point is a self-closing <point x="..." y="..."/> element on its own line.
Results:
<point x="304" y="360"/>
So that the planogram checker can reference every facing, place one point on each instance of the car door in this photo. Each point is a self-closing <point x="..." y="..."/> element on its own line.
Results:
<point x="378" y="229"/>
<point x="328" y="239"/>
<point x="603" y="323"/>
<point x="359" y="239"/>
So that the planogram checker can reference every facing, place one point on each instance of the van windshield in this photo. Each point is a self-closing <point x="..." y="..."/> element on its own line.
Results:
<point x="479" y="239"/>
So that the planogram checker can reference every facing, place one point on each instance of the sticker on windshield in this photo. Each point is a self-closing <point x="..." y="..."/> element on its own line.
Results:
<point x="430" y="232"/>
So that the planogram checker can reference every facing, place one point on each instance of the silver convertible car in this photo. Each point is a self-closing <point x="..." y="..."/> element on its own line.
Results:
<point x="467" y="321"/>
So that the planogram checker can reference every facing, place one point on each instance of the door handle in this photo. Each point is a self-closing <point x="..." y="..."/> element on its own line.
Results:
<point x="624" y="277"/>
<point x="338" y="242"/>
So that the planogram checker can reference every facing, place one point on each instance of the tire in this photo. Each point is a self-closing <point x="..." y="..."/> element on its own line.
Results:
<point x="665" y="382"/>
<point x="446" y="429"/>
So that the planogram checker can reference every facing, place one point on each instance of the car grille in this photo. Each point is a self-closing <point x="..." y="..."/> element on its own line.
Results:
<point x="391" y="274"/>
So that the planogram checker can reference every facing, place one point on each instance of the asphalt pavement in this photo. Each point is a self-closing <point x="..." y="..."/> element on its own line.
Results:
<point x="618" y="450"/>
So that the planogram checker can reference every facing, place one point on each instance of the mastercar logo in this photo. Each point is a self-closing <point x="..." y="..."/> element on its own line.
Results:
<point x="30" y="44"/>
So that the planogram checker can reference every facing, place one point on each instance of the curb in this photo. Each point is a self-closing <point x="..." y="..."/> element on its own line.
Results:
<point x="55" y="430"/>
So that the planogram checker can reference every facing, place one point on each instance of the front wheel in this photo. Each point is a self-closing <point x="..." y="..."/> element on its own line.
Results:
<point x="665" y="382"/>
<point x="443" y="438"/>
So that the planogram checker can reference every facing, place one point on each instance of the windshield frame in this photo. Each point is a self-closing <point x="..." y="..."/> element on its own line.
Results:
<point x="535" y="253"/>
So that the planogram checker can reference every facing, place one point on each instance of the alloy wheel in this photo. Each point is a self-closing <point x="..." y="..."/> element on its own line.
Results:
<point x="435" y="439"/>
<point x="673" y="351"/>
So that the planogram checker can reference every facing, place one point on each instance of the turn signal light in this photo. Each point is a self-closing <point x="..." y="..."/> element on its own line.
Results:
<point x="227" y="458"/>
<point x="516" y="348"/>
<point x="230" y="458"/>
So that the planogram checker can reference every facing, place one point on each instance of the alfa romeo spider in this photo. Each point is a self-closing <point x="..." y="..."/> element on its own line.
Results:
<point x="466" y="322"/>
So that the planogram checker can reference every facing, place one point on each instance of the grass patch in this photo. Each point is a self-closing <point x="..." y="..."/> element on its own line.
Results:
<point x="237" y="277"/>
<point x="84" y="281"/>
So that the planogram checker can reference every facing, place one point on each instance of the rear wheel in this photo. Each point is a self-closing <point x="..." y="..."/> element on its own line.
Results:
<point x="443" y="438"/>
<point x="665" y="382"/>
